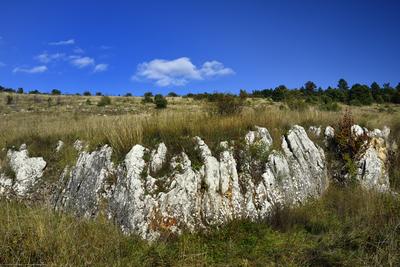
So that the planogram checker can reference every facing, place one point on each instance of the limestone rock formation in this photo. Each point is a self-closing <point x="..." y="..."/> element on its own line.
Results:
<point x="188" y="198"/>
<point x="152" y="191"/>
<point x="27" y="172"/>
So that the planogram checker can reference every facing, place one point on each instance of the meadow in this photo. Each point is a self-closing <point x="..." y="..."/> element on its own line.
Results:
<point x="346" y="227"/>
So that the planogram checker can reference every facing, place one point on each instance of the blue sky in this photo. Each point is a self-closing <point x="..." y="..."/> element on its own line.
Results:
<point x="196" y="46"/>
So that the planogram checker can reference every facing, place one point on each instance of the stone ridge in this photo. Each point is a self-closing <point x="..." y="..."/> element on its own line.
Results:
<point x="188" y="198"/>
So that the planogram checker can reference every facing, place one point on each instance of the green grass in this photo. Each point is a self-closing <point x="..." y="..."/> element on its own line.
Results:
<point x="346" y="227"/>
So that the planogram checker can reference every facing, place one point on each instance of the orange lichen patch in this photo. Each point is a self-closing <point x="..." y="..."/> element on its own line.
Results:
<point x="228" y="193"/>
<point x="161" y="222"/>
<point x="379" y="145"/>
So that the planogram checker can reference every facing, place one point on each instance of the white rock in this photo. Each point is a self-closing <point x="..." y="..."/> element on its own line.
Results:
<point x="260" y="135"/>
<point x="329" y="132"/>
<point x="315" y="130"/>
<point x="60" y="145"/>
<point x="372" y="172"/>
<point x="78" y="145"/>
<point x="158" y="158"/>
<point x="27" y="170"/>
<point x="357" y="130"/>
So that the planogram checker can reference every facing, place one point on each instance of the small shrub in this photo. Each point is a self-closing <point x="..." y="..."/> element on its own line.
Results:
<point x="160" y="101"/>
<point x="128" y="95"/>
<point x="9" y="100"/>
<point x="104" y="101"/>
<point x="148" y="97"/>
<point x="296" y="104"/>
<point x="228" y="105"/>
<point x="87" y="93"/>
<point x="348" y="146"/>
<point x="99" y="94"/>
<point x="49" y="101"/>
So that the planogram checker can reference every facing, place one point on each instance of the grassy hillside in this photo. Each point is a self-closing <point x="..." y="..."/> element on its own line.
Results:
<point x="347" y="226"/>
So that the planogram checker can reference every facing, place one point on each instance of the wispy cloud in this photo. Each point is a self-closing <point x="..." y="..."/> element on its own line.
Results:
<point x="79" y="50"/>
<point x="34" y="70"/>
<point x="100" y="67"/>
<point x="179" y="71"/>
<point x="46" y="57"/>
<point x="82" y="62"/>
<point x="2" y="64"/>
<point x="64" y="42"/>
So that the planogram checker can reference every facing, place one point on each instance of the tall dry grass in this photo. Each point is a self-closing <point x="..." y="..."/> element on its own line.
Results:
<point x="124" y="131"/>
<point x="346" y="227"/>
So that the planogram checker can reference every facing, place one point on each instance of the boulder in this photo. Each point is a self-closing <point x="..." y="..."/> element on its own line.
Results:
<point x="27" y="170"/>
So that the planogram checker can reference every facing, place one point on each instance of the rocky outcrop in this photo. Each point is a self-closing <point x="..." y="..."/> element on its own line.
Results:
<point x="26" y="172"/>
<point x="83" y="185"/>
<point x="152" y="191"/>
<point x="371" y="163"/>
<point x="188" y="198"/>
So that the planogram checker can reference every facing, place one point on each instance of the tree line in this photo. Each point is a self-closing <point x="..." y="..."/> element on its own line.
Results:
<point x="357" y="94"/>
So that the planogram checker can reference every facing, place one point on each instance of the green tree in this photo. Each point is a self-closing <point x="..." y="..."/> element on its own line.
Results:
<point x="87" y="93"/>
<point x="342" y="85"/>
<point x="396" y="97"/>
<point x="310" y="87"/>
<point x="172" y="94"/>
<point x="280" y="93"/>
<point x="360" y="95"/>
<point x="376" y="92"/>
<point x="20" y="90"/>
<point x="55" y="92"/>
<point x="34" y="92"/>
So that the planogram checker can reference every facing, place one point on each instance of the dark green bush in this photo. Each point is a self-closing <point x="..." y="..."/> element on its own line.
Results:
<point x="148" y="97"/>
<point x="160" y="101"/>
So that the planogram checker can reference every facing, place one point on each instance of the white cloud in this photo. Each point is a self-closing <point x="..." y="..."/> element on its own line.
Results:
<point x="2" y="64"/>
<point x="215" y="68"/>
<point x="100" y="67"/>
<point x="46" y="57"/>
<point x="37" y="69"/>
<point x="66" y="42"/>
<point x="81" y="62"/>
<point x="179" y="71"/>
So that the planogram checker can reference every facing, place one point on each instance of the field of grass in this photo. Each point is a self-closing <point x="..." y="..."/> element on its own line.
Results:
<point x="347" y="226"/>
